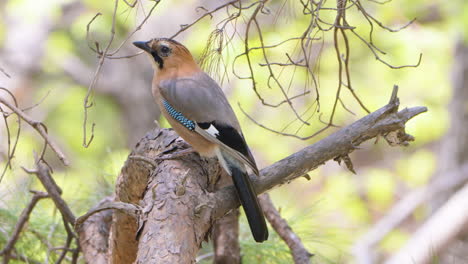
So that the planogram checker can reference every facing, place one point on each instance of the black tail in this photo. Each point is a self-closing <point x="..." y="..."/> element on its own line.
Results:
<point x="248" y="199"/>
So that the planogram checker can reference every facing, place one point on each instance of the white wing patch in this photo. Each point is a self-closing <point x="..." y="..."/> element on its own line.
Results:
<point x="212" y="131"/>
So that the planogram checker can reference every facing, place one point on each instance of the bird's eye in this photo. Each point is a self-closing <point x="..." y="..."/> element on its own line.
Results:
<point x="165" y="51"/>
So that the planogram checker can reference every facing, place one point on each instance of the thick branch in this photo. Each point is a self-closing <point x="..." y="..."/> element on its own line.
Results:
<point x="94" y="234"/>
<point x="226" y="232"/>
<point x="177" y="197"/>
<point x="387" y="120"/>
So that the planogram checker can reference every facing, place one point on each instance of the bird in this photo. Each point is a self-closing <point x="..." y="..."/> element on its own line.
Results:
<point x="198" y="110"/>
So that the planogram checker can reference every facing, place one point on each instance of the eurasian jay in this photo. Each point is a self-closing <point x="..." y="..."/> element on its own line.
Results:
<point x="197" y="109"/>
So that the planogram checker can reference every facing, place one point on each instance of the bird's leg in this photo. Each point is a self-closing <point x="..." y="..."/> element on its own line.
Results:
<point x="174" y="155"/>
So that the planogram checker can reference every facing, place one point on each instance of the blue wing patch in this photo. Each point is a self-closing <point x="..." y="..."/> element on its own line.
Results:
<point x="189" y="124"/>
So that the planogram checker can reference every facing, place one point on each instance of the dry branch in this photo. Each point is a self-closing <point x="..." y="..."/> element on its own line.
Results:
<point x="298" y="251"/>
<point x="43" y="174"/>
<point x="381" y="122"/>
<point x="39" y="127"/>
<point x="179" y="205"/>
<point x="24" y="217"/>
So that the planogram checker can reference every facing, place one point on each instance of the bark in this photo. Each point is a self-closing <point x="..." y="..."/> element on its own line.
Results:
<point x="226" y="232"/>
<point x="386" y="121"/>
<point x="130" y="188"/>
<point x="179" y="206"/>
<point x="94" y="236"/>
<point x="174" y="221"/>
<point x="226" y="239"/>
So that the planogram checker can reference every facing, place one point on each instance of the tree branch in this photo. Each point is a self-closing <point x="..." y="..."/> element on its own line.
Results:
<point x="24" y="217"/>
<point x="298" y="251"/>
<point x="385" y="121"/>
<point x="94" y="234"/>
<point x="40" y="128"/>
<point x="43" y="174"/>
<point x="180" y="193"/>
<point x="225" y="235"/>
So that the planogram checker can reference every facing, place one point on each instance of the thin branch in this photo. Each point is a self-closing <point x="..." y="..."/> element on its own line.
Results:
<point x="4" y="72"/>
<point x="43" y="174"/>
<point x="22" y="220"/>
<point x="23" y="258"/>
<point x="66" y="247"/>
<point x="127" y="208"/>
<point x="39" y="127"/>
<point x="298" y="251"/>
<point x="210" y="13"/>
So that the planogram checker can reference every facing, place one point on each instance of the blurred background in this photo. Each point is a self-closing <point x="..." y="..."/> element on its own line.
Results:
<point x="44" y="48"/>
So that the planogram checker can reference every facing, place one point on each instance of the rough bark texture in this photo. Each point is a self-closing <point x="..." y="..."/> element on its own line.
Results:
<point x="178" y="198"/>
<point x="94" y="236"/>
<point x="226" y="232"/>
<point x="130" y="188"/>
<point x="226" y="239"/>
<point x="386" y="121"/>
<point x="174" y="221"/>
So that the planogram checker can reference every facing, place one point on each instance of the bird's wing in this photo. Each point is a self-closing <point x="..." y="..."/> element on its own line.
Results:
<point x="201" y="100"/>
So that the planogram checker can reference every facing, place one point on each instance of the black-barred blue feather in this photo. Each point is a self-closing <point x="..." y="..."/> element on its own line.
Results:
<point x="179" y="116"/>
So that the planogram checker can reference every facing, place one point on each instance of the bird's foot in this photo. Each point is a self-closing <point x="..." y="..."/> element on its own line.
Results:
<point x="174" y="155"/>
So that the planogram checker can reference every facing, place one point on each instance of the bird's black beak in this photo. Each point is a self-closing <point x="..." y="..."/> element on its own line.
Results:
<point x="142" y="45"/>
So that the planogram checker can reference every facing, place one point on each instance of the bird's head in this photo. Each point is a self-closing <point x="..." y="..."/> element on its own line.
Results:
<point x="167" y="53"/>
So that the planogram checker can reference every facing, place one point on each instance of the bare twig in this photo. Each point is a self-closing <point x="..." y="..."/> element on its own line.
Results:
<point x="66" y="247"/>
<point x="298" y="251"/>
<point x="106" y="53"/>
<point x="4" y="72"/>
<point x="210" y="13"/>
<point x="11" y="145"/>
<point x="6" y="251"/>
<point x="39" y="127"/>
<point x="127" y="208"/>
<point x="23" y="258"/>
<point x="43" y="174"/>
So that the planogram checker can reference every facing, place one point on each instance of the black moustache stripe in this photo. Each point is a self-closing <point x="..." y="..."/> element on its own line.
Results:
<point x="158" y="59"/>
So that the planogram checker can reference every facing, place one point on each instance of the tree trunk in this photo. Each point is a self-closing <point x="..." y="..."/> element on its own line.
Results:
<point x="178" y="202"/>
<point x="454" y="147"/>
